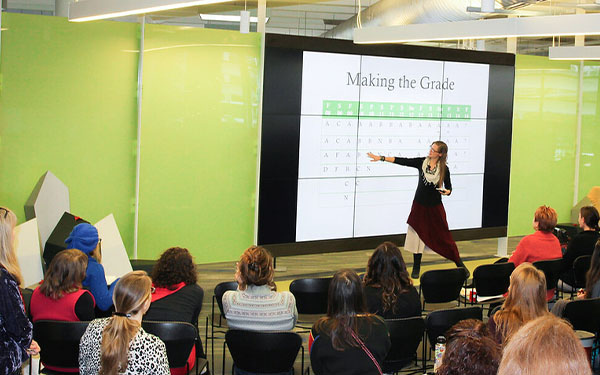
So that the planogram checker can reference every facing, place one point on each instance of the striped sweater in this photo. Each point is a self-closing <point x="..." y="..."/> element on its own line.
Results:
<point x="258" y="308"/>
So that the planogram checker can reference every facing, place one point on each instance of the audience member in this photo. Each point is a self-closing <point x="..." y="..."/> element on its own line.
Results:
<point x="349" y="340"/>
<point x="177" y="296"/>
<point x="469" y="350"/>
<point x="84" y="237"/>
<point x="388" y="287"/>
<point x="526" y="300"/>
<point x="15" y="328"/>
<point x="544" y="346"/>
<point x="592" y="285"/>
<point x="581" y="244"/>
<point x="60" y="296"/>
<point x="256" y="305"/>
<point x="119" y="345"/>
<point x="541" y="245"/>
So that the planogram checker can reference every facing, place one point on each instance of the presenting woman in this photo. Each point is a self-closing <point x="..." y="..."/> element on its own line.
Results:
<point x="427" y="225"/>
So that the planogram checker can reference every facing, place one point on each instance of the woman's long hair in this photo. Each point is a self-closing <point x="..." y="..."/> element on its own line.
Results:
<point x="346" y="301"/>
<point x="443" y="150"/>
<point x="593" y="274"/>
<point x="65" y="273"/>
<point x="131" y="293"/>
<point x="8" y="257"/>
<point x="526" y="300"/>
<point x="386" y="270"/>
<point x="256" y="268"/>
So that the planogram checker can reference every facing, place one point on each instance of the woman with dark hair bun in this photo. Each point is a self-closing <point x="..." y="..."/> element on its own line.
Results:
<point x="349" y="340"/>
<point x="388" y="288"/>
<point x="177" y="296"/>
<point x="581" y="244"/>
<point x="256" y="305"/>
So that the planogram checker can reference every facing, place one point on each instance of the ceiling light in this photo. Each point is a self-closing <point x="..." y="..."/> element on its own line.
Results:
<point x="574" y="53"/>
<point x="578" y="24"/>
<point x="91" y="10"/>
<point x="227" y="18"/>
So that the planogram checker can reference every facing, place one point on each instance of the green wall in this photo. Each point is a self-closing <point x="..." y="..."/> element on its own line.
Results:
<point x="545" y="135"/>
<point x="199" y="141"/>
<point x="68" y="105"/>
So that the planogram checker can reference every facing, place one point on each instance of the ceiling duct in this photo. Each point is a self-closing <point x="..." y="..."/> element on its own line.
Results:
<point x="405" y="12"/>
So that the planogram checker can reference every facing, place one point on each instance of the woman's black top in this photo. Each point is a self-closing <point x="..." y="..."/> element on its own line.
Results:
<point x="181" y="306"/>
<point x="426" y="194"/>
<point x="582" y="244"/>
<point x="407" y="305"/>
<point x="326" y="360"/>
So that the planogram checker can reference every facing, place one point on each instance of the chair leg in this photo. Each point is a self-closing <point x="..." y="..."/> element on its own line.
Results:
<point x="223" y="368"/>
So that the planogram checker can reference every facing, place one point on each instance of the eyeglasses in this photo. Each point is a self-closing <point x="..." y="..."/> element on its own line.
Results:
<point x="5" y="211"/>
<point x="434" y="150"/>
<point x="152" y="289"/>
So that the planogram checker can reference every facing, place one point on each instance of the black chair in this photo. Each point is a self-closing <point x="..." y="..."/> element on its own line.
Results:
<point x="263" y="352"/>
<point x="551" y="269"/>
<point x="439" y="321"/>
<point x="580" y="267"/>
<point x="406" y="335"/>
<point x="492" y="280"/>
<point x="442" y="286"/>
<point x="584" y="314"/>
<point x="59" y="341"/>
<point x="220" y="289"/>
<point x="311" y="298"/>
<point x="179" y="339"/>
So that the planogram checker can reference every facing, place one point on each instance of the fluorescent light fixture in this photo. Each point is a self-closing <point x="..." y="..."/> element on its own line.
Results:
<point x="91" y="10"/>
<point x="578" y="24"/>
<point x="227" y="18"/>
<point x="574" y="53"/>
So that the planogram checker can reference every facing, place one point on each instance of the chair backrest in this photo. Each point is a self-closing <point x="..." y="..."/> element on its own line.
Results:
<point x="439" y="321"/>
<point x="263" y="352"/>
<point x="492" y="279"/>
<point x="584" y="314"/>
<point x="406" y="335"/>
<point x="179" y="338"/>
<point x="551" y="269"/>
<point x="220" y="289"/>
<point x="439" y="286"/>
<point x="311" y="295"/>
<point x="580" y="267"/>
<point x="59" y="341"/>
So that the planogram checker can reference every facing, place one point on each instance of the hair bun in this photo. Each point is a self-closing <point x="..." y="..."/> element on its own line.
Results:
<point x="253" y="267"/>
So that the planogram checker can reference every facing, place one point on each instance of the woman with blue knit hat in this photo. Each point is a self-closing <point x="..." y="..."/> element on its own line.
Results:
<point x="84" y="237"/>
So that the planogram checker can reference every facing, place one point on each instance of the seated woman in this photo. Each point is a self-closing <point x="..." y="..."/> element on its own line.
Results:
<point x="541" y="245"/>
<point x="349" y="340"/>
<point x="469" y="350"/>
<point x="581" y="244"/>
<point x="388" y="287"/>
<point x="592" y="285"/>
<point x="16" y="344"/>
<point x="119" y="345"/>
<point x="84" y="237"/>
<point x="177" y="296"/>
<point x="526" y="300"/>
<point x="544" y="346"/>
<point x="60" y="296"/>
<point x="256" y="305"/>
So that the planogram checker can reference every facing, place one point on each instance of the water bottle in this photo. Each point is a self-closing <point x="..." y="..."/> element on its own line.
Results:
<point x="440" y="347"/>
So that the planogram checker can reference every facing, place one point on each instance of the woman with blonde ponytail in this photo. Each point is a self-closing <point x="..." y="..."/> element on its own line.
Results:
<point x="119" y="345"/>
<point x="15" y="329"/>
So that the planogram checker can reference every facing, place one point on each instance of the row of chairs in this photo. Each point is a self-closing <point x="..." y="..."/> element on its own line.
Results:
<point x="60" y="342"/>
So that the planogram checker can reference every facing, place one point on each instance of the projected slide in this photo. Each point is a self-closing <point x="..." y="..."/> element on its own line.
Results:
<point x="354" y="104"/>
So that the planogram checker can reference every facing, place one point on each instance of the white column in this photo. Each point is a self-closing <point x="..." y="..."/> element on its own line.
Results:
<point x="139" y="138"/>
<point x="262" y="16"/>
<point x="61" y="8"/>
<point x="502" y="247"/>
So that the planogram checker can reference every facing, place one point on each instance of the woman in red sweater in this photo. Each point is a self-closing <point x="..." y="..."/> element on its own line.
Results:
<point x="542" y="244"/>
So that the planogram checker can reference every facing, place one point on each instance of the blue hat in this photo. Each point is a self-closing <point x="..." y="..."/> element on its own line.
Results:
<point x="83" y="237"/>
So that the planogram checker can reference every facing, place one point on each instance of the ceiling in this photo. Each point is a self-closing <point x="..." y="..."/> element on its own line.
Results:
<point x="316" y="17"/>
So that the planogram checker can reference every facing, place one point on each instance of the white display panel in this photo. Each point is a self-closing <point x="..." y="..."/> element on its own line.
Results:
<point x="355" y="104"/>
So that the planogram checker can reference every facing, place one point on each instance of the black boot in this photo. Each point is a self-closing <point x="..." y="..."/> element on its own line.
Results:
<point x="461" y="264"/>
<point x="416" y="270"/>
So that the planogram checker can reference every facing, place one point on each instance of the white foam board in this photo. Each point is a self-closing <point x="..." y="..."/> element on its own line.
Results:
<point x="114" y="256"/>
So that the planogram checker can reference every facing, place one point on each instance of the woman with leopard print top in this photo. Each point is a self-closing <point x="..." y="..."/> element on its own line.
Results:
<point x="119" y="345"/>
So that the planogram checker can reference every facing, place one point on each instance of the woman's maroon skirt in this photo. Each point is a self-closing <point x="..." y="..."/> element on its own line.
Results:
<point x="430" y="224"/>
